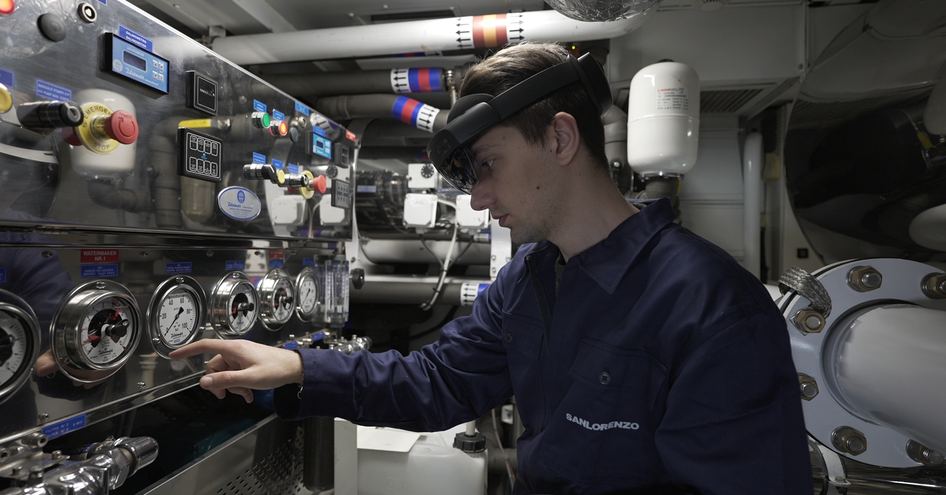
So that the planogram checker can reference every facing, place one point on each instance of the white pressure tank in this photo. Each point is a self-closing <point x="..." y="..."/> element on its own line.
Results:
<point x="663" y="120"/>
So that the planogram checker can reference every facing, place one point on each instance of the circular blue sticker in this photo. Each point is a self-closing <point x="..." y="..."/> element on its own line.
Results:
<point x="239" y="203"/>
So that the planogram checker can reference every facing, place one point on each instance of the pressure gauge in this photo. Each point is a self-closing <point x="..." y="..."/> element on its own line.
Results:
<point x="308" y="294"/>
<point x="95" y="330"/>
<point x="19" y="343"/>
<point x="176" y="314"/>
<point x="277" y="298"/>
<point x="233" y="305"/>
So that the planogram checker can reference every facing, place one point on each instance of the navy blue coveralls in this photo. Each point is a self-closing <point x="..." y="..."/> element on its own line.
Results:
<point x="660" y="366"/>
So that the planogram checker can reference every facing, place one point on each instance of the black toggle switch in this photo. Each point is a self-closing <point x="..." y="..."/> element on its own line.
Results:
<point x="49" y="114"/>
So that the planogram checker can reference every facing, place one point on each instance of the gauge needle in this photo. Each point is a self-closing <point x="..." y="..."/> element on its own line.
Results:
<point x="179" y="311"/>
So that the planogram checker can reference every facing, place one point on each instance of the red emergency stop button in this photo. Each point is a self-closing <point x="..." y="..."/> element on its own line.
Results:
<point x="122" y="127"/>
<point x="7" y="7"/>
<point x="318" y="184"/>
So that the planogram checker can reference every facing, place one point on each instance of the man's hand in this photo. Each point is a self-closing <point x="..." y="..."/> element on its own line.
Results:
<point x="241" y="365"/>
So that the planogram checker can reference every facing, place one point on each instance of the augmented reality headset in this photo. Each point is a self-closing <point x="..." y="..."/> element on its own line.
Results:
<point x="474" y="114"/>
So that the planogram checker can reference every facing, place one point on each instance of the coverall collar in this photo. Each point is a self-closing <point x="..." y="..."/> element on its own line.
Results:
<point x="607" y="261"/>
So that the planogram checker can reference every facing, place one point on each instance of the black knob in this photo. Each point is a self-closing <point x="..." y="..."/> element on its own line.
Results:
<point x="358" y="278"/>
<point x="49" y="114"/>
<point x="52" y="26"/>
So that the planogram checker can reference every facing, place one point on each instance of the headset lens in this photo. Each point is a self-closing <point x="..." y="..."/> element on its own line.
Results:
<point x="458" y="169"/>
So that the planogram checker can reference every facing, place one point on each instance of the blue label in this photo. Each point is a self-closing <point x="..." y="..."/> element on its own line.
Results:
<point x="3" y="275"/>
<point x="319" y="131"/>
<point x="259" y="157"/>
<point x="259" y="106"/>
<point x="59" y="429"/>
<point x="6" y="79"/>
<point x="273" y="264"/>
<point x="278" y="115"/>
<point x="103" y="2"/>
<point x="308" y="262"/>
<point x="234" y="265"/>
<point x="52" y="91"/>
<point x="109" y="270"/>
<point x="239" y="203"/>
<point x="277" y="164"/>
<point x="293" y="168"/>
<point x="178" y="267"/>
<point x="135" y="38"/>
<point x="291" y="345"/>
<point x="480" y="288"/>
<point x="304" y="110"/>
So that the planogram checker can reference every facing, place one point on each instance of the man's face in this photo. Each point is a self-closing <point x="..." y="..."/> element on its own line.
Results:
<point x="515" y="180"/>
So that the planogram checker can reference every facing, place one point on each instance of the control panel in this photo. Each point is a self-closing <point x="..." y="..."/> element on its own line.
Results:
<point x="200" y="155"/>
<point x="134" y="62"/>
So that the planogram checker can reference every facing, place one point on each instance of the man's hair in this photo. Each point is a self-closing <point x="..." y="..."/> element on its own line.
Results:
<point x="516" y="63"/>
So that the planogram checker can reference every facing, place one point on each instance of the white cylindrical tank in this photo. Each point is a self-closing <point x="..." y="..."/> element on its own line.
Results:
<point x="663" y="119"/>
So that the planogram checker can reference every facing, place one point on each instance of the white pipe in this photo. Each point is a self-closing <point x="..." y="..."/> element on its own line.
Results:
<point x="453" y="33"/>
<point x="752" y="157"/>
<point x="888" y="366"/>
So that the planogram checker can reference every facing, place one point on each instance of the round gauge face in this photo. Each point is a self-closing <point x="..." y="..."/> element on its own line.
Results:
<point x="308" y="295"/>
<point x="243" y="307"/>
<point x="106" y="330"/>
<point x="283" y="300"/>
<point x="13" y="347"/>
<point x="177" y="317"/>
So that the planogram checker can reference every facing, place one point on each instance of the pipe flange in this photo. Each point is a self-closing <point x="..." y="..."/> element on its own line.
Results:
<point x="825" y="411"/>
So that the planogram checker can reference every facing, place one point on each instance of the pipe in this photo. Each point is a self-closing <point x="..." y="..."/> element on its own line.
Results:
<point x="399" y="81"/>
<point x="408" y="289"/>
<point x="615" y="146"/>
<point x="407" y="110"/>
<point x="888" y="365"/>
<point x="752" y="162"/>
<point x="452" y="33"/>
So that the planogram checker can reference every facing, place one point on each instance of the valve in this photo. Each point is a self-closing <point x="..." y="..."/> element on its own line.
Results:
<point x="264" y="171"/>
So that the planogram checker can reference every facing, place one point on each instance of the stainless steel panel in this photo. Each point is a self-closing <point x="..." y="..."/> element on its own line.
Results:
<point x="137" y="186"/>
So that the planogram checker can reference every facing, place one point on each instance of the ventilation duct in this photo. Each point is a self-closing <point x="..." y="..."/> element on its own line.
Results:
<point x="601" y="10"/>
<point x="454" y="33"/>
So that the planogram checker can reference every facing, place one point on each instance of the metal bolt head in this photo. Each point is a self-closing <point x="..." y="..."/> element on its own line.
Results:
<point x="923" y="454"/>
<point x="142" y="385"/>
<point x="934" y="285"/>
<point x="808" y="385"/>
<point x="808" y="321"/>
<point x="864" y="278"/>
<point x="849" y="441"/>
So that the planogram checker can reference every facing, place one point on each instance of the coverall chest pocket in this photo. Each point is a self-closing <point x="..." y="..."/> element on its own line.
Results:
<point x="609" y="414"/>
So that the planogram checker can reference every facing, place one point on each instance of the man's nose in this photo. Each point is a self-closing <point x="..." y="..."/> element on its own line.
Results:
<point x="480" y="198"/>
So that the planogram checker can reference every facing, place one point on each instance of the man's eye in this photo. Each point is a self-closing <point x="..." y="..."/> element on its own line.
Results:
<point x="487" y="164"/>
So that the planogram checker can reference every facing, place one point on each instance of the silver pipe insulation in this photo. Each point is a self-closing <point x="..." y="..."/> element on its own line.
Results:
<point x="452" y="33"/>
<point x="399" y="81"/>
<point x="752" y="163"/>
<point x="888" y="363"/>
<point x="407" y="110"/>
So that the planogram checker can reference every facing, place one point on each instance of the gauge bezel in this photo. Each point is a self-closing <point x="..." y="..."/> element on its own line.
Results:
<point x="309" y="272"/>
<point x="66" y="332"/>
<point x="220" y="304"/>
<point x="267" y="288"/>
<point x="163" y="290"/>
<point x="20" y="309"/>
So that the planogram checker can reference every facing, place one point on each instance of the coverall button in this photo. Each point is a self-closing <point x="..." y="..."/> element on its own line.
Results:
<point x="604" y="378"/>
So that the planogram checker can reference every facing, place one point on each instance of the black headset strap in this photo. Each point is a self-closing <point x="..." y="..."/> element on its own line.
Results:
<point x="537" y="87"/>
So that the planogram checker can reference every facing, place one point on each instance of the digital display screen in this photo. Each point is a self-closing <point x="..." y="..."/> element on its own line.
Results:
<point x="321" y="146"/>
<point x="132" y="60"/>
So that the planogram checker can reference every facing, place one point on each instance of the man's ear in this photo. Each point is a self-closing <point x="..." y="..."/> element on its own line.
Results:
<point x="565" y="137"/>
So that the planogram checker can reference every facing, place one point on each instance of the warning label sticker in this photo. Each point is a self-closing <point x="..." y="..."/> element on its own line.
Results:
<point x="672" y="99"/>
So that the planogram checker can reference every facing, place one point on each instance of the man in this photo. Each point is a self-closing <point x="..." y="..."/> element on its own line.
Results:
<point x="643" y="358"/>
